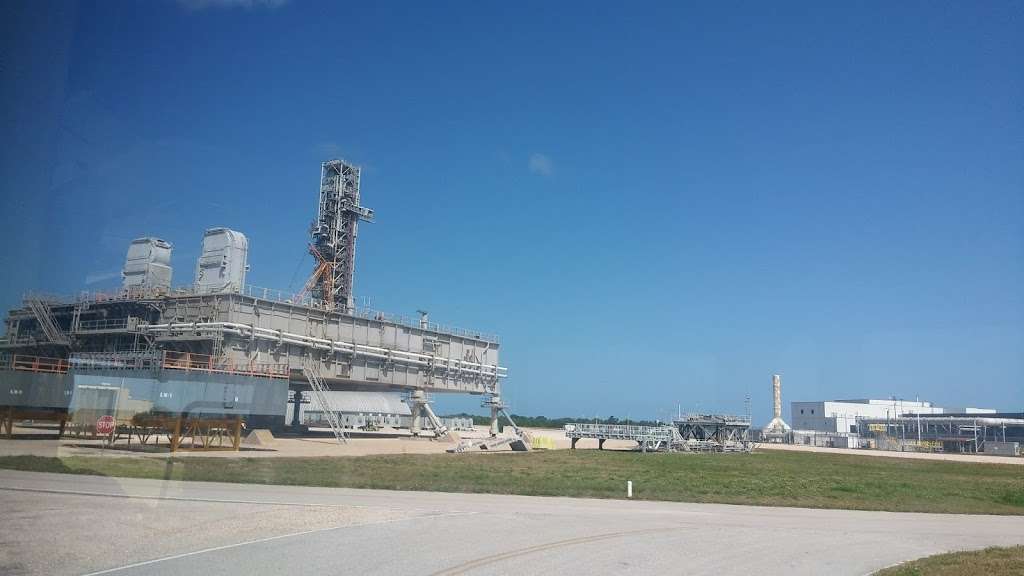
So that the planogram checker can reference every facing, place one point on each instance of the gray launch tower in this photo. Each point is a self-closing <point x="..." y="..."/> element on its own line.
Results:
<point x="221" y="350"/>
<point x="334" y="235"/>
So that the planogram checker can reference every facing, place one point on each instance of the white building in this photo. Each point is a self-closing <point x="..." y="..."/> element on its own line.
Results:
<point x="355" y="409"/>
<point x="841" y="416"/>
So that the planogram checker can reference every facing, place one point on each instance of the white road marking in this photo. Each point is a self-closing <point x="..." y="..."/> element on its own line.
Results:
<point x="192" y="499"/>
<point x="269" y="539"/>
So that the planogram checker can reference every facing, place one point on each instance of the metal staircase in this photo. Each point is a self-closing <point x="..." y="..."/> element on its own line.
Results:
<point x="41" y="310"/>
<point x="319" y="392"/>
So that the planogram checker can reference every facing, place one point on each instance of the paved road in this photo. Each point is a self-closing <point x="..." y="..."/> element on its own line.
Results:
<point x="65" y="524"/>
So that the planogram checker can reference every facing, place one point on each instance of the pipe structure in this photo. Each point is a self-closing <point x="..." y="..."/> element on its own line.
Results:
<point x="337" y="346"/>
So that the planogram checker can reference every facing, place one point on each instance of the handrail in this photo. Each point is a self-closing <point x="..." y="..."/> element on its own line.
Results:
<point x="117" y="360"/>
<point x="174" y="360"/>
<point x="41" y="364"/>
<point x="207" y="363"/>
<point x="617" y="431"/>
<point x="719" y="418"/>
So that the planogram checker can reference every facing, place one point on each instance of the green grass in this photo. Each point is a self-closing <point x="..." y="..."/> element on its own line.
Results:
<point x="990" y="561"/>
<point x="774" y="478"/>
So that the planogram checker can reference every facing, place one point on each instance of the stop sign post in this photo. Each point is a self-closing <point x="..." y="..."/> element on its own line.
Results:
<point x="105" y="426"/>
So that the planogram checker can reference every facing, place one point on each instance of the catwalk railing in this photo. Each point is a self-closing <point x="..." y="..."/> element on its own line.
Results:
<point x="713" y="418"/>
<point x="270" y="294"/>
<point x="656" y="437"/>
<point x="173" y="360"/>
<point x="619" y="432"/>
<point x="206" y="363"/>
<point x="40" y="364"/>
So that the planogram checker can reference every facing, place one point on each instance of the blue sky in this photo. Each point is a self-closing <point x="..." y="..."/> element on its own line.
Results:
<point x="653" y="206"/>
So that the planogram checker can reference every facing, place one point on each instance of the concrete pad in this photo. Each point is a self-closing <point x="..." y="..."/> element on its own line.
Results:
<point x="68" y="524"/>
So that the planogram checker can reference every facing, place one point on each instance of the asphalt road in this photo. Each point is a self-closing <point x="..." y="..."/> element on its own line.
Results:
<point x="66" y="524"/>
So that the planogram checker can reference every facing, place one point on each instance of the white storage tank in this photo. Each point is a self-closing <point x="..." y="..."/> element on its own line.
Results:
<point x="223" y="263"/>
<point x="147" y="265"/>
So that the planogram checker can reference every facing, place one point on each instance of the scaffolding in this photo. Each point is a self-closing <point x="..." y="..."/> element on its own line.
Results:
<point x="723" y="429"/>
<point x="646" y="437"/>
<point x="334" y="234"/>
<point x="690" y="433"/>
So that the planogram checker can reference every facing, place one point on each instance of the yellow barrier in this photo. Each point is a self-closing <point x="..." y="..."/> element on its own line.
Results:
<point x="542" y="443"/>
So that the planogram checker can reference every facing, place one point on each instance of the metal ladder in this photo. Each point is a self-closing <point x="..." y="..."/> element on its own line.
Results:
<point x="46" y="322"/>
<point x="319" y="391"/>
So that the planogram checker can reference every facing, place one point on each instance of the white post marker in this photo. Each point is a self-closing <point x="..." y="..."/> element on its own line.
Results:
<point x="629" y="488"/>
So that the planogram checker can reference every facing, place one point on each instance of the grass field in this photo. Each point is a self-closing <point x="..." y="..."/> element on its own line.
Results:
<point x="770" y="478"/>
<point x="990" y="561"/>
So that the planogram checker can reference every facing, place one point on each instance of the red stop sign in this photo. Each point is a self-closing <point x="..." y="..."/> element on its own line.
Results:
<point x="105" y="426"/>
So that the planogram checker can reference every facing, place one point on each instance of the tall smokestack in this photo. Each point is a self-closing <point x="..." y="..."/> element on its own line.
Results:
<point x="777" y="397"/>
<point x="777" y="427"/>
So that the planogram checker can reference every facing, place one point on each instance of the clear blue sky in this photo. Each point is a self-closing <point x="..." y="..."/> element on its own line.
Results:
<point x="652" y="205"/>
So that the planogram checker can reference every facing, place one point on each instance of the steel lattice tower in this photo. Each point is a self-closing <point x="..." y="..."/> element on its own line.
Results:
<point x="334" y="234"/>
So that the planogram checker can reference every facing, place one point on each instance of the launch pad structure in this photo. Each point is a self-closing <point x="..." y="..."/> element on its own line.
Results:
<point x="687" y="433"/>
<point x="334" y="235"/>
<point x="222" y="348"/>
<point x="776" y="430"/>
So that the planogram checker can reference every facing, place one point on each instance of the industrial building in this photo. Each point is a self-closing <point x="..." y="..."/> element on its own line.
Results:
<point x="996" y="433"/>
<point x="842" y="416"/>
<point x="906" y="425"/>
<point x="220" y="351"/>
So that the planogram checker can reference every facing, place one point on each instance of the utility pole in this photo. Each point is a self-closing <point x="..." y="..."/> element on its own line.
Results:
<point x="918" y="429"/>
<point x="975" y="435"/>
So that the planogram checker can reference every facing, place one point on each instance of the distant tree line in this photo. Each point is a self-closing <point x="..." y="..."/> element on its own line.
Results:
<point x="545" y="422"/>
